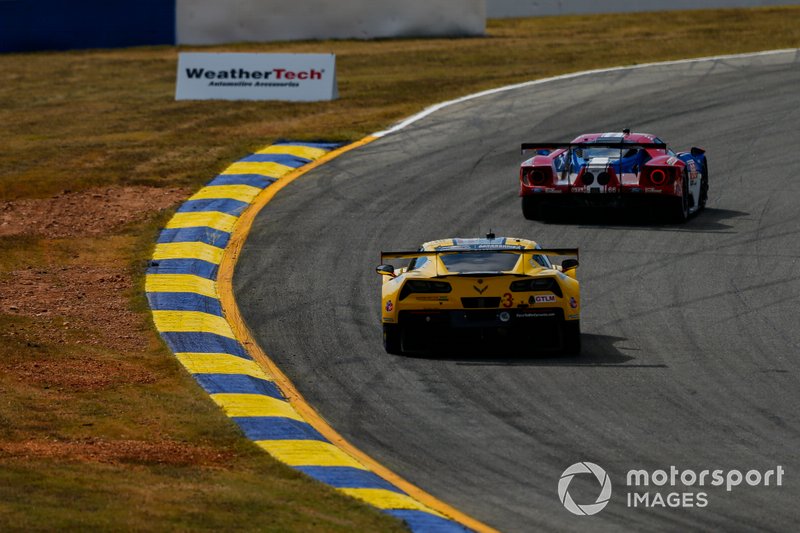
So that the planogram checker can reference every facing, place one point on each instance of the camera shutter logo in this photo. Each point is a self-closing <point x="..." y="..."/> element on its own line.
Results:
<point x="584" y="468"/>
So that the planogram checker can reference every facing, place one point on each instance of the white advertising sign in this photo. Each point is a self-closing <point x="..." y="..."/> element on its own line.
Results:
<point x="234" y="76"/>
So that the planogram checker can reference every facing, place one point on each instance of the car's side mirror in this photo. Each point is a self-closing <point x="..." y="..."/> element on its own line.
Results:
<point x="697" y="151"/>
<point x="385" y="270"/>
<point x="569" y="264"/>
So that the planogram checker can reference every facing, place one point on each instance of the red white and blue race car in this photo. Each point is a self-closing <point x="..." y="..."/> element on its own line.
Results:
<point x="615" y="170"/>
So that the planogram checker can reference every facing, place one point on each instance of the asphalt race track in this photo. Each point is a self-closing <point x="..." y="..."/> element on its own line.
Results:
<point x="690" y="332"/>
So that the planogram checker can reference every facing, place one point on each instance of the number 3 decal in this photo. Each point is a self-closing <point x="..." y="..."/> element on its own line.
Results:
<point x="508" y="300"/>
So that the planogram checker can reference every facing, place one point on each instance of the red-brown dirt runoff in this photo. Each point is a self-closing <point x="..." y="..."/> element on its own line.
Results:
<point x="71" y="304"/>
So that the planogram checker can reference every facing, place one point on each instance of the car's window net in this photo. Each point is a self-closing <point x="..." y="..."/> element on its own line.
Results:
<point x="542" y="261"/>
<point x="417" y="263"/>
<point x="480" y="262"/>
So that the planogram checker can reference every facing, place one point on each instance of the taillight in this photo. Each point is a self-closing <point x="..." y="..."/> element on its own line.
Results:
<point x="536" y="284"/>
<point x="534" y="177"/>
<point x="538" y="177"/>
<point x="658" y="177"/>
<point x="417" y="286"/>
<point x="661" y="176"/>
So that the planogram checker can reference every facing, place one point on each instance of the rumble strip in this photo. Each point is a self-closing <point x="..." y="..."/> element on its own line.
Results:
<point x="189" y="287"/>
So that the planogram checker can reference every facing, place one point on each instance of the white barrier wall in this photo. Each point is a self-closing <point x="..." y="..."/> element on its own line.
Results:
<point x="225" y="21"/>
<point x="536" y="8"/>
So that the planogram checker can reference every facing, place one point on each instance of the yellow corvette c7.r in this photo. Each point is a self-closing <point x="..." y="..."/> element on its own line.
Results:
<point x="493" y="289"/>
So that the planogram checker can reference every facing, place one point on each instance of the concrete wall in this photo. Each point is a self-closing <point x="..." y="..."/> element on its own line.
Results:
<point x="217" y="21"/>
<point x="60" y="24"/>
<point x="538" y="8"/>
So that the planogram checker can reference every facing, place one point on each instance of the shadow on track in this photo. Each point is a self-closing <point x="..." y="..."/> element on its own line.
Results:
<point x="598" y="351"/>
<point x="709" y="220"/>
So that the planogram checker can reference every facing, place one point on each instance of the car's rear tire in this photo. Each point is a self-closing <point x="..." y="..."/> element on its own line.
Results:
<point x="679" y="210"/>
<point x="704" y="186"/>
<point x="571" y="341"/>
<point x="530" y="208"/>
<point x="392" y="339"/>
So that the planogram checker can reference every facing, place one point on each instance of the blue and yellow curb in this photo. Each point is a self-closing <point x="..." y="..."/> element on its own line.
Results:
<point x="189" y="288"/>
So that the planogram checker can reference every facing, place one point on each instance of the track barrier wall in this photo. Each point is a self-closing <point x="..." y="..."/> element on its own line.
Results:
<point x="57" y="25"/>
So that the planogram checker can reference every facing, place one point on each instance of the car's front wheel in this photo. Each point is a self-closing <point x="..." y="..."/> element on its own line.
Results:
<point x="391" y="339"/>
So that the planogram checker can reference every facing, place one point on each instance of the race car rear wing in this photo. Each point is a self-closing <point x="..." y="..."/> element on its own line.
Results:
<point x="519" y="251"/>
<point x="558" y="252"/>
<point x="571" y="146"/>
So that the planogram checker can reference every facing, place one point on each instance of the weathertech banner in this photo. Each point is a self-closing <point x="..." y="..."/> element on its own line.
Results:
<point x="230" y="76"/>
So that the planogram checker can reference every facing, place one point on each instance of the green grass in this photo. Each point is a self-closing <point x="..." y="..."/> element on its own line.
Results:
<point x="101" y="435"/>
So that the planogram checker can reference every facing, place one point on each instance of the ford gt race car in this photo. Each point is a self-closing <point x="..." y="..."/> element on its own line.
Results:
<point x="494" y="289"/>
<point x="614" y="170"/>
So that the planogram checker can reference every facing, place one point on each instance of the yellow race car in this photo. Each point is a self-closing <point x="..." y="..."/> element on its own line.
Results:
<point x="493" y="289"/>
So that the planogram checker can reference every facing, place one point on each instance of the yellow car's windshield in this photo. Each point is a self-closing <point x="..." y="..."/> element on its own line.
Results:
<point x="480" y="262"/>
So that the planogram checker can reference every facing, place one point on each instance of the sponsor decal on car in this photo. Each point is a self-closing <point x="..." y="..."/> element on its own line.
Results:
<point x="548" y="298"/>
<point x="508" y="300"/>
<point x="433" y="298"/>
<point x="539" y="314"/>
<point x="692" y="171"/>
<point x="478" y="244"/>
<point x="389" y="306"/>
<point x="573" y="303"/>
